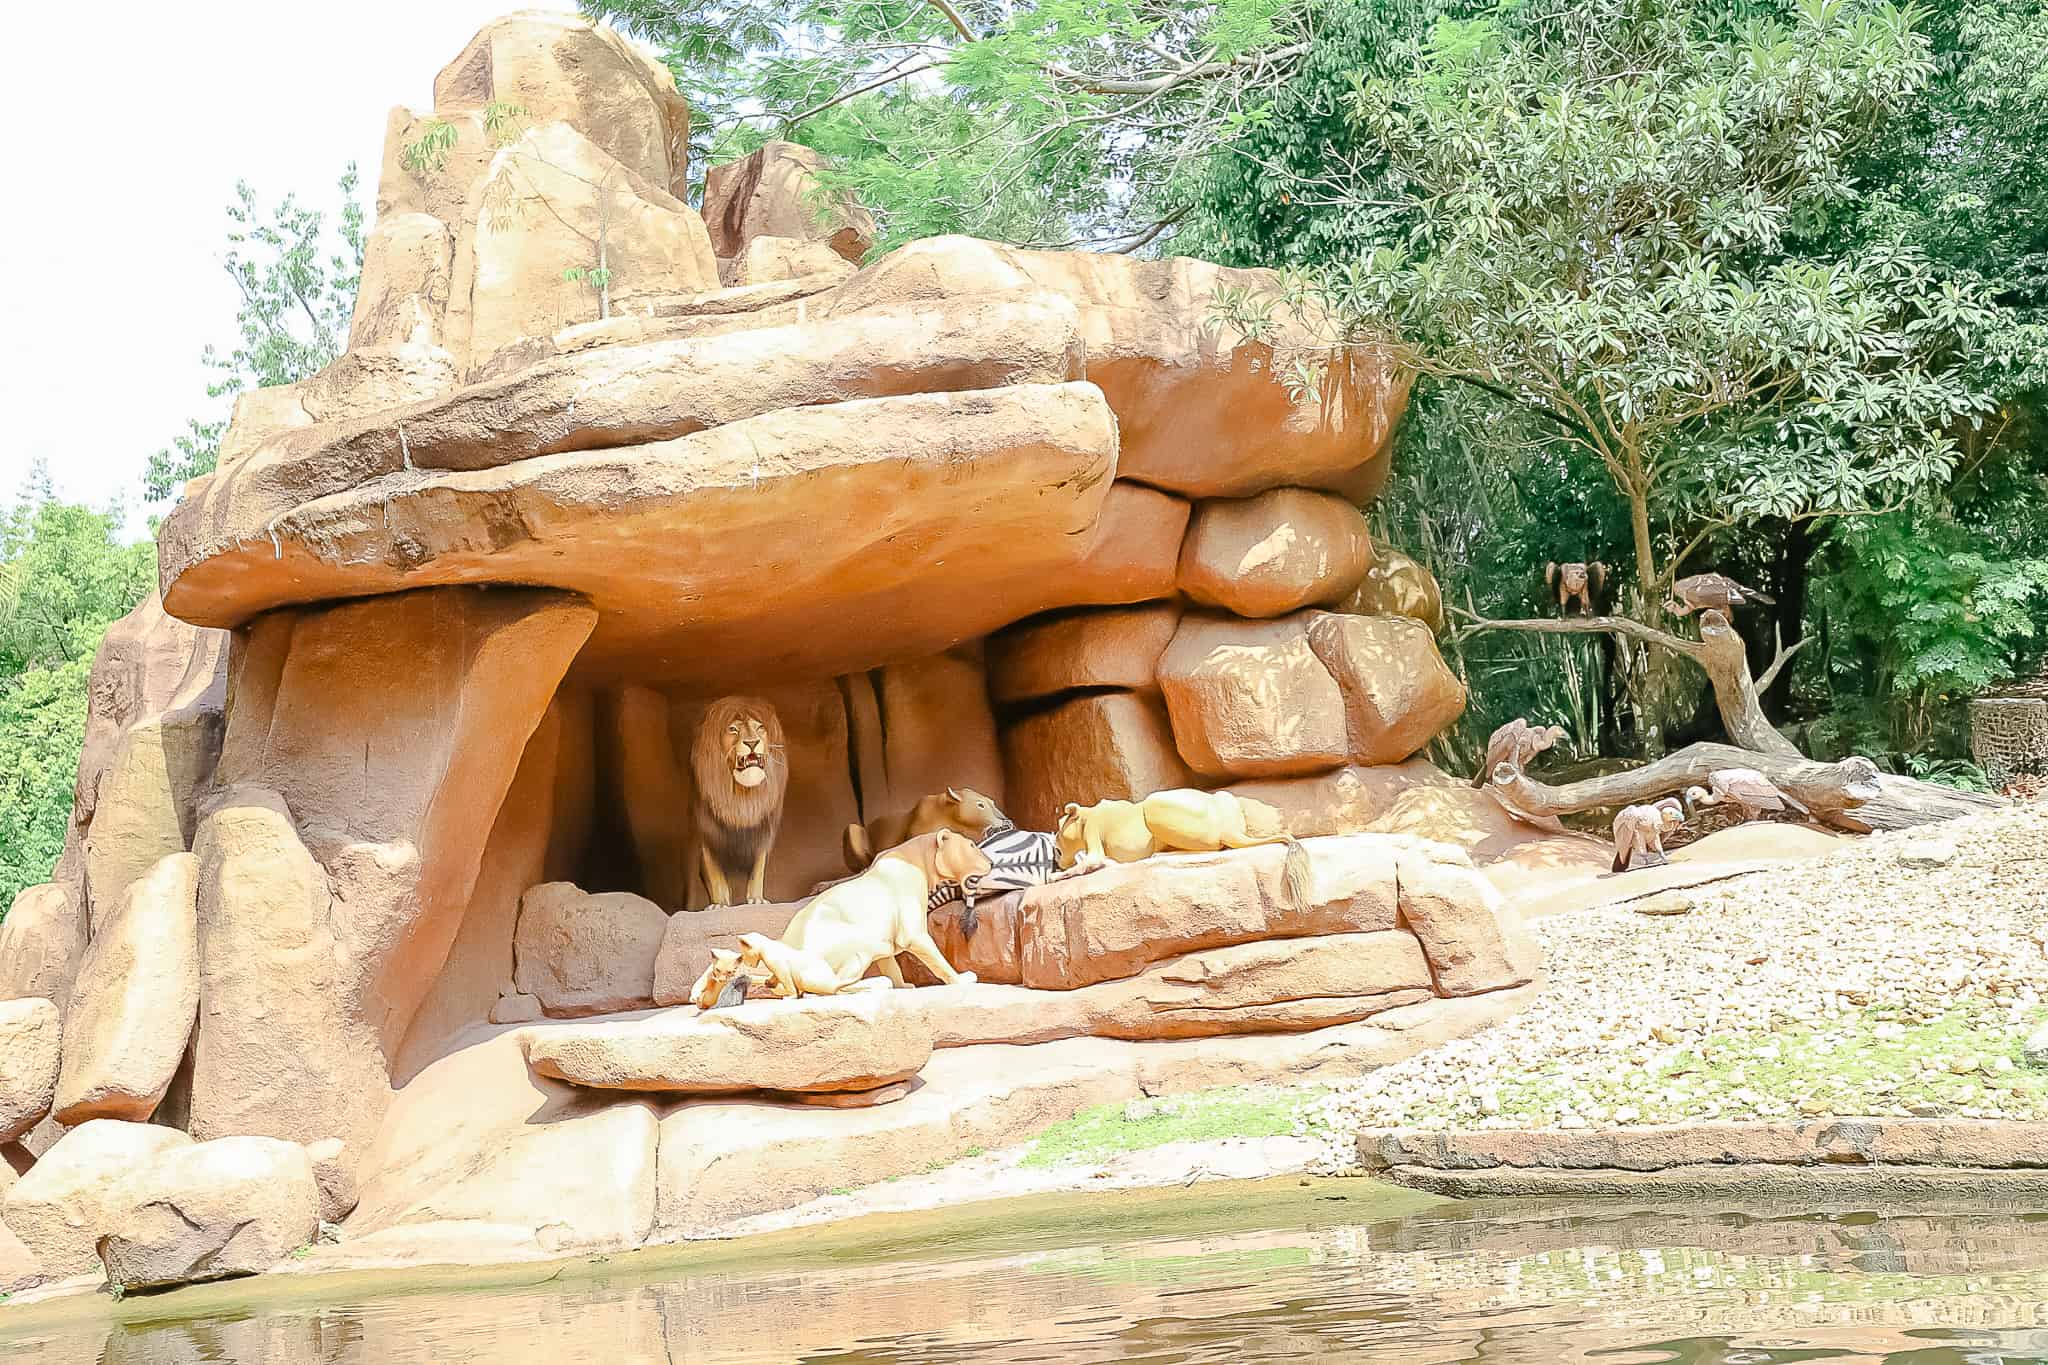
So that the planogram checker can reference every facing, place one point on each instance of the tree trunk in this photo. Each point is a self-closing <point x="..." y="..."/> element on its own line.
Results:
<point x="1794" y="553"/>
<point x="1830" y="790"/>
<point x="1725" y="658"/>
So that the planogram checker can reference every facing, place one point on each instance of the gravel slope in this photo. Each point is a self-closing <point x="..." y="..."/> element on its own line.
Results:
<point x="1900" y="976"/>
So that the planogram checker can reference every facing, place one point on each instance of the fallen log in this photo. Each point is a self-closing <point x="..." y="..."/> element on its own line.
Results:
<point x="1851" y="795"/>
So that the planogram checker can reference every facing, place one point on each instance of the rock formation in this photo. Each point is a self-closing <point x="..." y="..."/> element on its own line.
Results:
<point x="400" y="753"/>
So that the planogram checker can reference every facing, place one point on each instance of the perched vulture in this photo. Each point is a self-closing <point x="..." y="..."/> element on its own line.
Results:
<point x="1515" y="744"/>
<point x="1641" y="830"/>
<point x="1704" y="590"/>
<point x="1745" y="788"/>
<point x="1578" y="581"/>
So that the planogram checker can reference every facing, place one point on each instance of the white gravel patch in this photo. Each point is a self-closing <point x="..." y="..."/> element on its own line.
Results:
<point x="1898" y="976"/>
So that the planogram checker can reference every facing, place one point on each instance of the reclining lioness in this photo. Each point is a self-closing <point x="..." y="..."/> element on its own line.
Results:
<point x="866" y="921"/>
<point x="1181" y="820"/>
<point x="956" y="808"/>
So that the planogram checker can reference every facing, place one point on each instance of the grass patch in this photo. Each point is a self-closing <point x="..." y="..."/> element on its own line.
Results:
<point x="1137" y="1125"/>
<point x="1966" y="1062"/>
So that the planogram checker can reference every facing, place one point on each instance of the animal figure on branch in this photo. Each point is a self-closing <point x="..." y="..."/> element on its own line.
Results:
<point x="961" y="809"/>
<point x="1575" y="581"/>
<point x="1180" y="820"/>
<point x="1745" y="789"/>
<point x="1704" y="590"/>
<point x="1639" y="832"/>
<point x="741" y="772"/>
<point x="866" y="921"/>
<point x="1515" y="744"/>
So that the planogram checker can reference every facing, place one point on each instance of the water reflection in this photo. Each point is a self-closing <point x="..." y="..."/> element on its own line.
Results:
<point x="1502" y="1283"/>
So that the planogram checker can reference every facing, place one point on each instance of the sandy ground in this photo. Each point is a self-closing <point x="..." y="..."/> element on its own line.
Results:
<point x="1900" y="975"/>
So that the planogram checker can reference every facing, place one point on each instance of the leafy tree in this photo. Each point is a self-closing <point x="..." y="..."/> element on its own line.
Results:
<point x="297" y="279"/>
<point x="1057" y="122"/>
<point x="65" y="576"/>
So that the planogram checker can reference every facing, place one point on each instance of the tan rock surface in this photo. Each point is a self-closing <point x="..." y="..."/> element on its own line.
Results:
<point x="1275" y="552"/>
<point x="689" y="937"/>
<point x="19" y="1268"/>
<point x="137" y="995"/>
<point x="647" y="749"/>
<point x="1092" y="748"/>
<point x="857" y="502"/>
<point x="1112" y="923"/>
<point x="1202" y="410"/>
<point x="1134" y="550"/>
<point x="766" y="260"/>
<point x="147" y="803"/>
<point x="562" y="66"/>
<point x="334" y="1176"/>
<point x="75" y="1193"/>
<point x="1252" y="698"/>
<point x="1473" y="939"/>
<point x="1115" y="647"/>
<point x="938" y="731"/>
<point x="1343" y="801"/>
<point x="775" y="192"/>
<point x="1457" y="814"/>
<point x="234" y="1206"/>
<point x="582" y="954"/>
<point x="825" y="1043"/>
<point x="404" y="286"/>
<point x="1277" y="986"/>
<point x="1397" y="584"/>
<point x="39" y="944"/>
<point x="1398" y="692"/>
<point x="541" y="209"/>
<point x="31" y="1042"/>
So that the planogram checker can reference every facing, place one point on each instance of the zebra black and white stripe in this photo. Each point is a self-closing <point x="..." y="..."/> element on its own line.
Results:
<point x="1019" y="858"/>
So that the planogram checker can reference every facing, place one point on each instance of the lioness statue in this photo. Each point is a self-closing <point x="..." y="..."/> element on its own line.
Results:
<point x="722" y="984"/>
<point x="866" y="921"/>
<point x="1181" y="820"/>
<point x="962" y="809"/>
<point x="742" y="774"/>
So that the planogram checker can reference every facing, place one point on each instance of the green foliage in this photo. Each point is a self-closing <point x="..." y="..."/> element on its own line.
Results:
<point x="1107" y="1130"/>
<point x="429" y="151"/>
<point x="296" y="277"/>
<point x="1059" y="122"/>
<point x="67" y="576"/>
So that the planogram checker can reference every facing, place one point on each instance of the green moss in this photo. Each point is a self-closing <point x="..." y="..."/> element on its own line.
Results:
<point x="1108" y="1129"/>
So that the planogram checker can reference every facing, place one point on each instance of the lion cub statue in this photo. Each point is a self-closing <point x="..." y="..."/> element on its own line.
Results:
<point x="741" y="773"/>
<point x="962" y="809"/>
<point x="866" y="921"/>
<point x="1181" y="820"/>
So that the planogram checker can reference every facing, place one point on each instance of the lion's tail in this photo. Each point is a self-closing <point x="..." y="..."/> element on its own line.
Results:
<point x="1296" y="874"/>
<point x="854" y="845"/>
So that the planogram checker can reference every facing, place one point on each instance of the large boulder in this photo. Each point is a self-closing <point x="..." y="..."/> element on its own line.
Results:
<point x="1093" y="748"/>
<point x="135" y="1000"/>
<point x="587" y="954"/>
<point x="1274" y="552"/>
<point x="1346" y="800"/>
<point x="1113" y="647"/>
<point x="1252" y="698"/>
<point x="19" y="1268"/>
<point x="148" y="802"/>
<point x="75" y="1192"/>
<point x="1116" y="921"/>
<point x="766" y="260"/>
<point x="30" y="1053"/>
<point x="861" y="503"/>
<point x="776" y="191"/>
<point x="1273" y="986"/>
<point x="1474" y="941"/>
<point x="1132" y="555"/>
<point x="1397" y="584"/>
<point x="234" y="1206"/>
<point x="817" y="1044"/>
<point x="1398" y="692"/>
<point x="39" y="944"/>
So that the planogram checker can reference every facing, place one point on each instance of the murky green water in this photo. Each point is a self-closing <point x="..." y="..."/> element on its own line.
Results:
<point x="1334" y="1271"/>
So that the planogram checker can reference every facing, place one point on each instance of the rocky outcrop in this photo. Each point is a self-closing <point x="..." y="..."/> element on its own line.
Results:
<point x="1096" y="747"/>
<point x="135" y="1000"/>
<point x="841" y="1043"/>
<point x="1252" y="700"/>
<point x="583" y="954"/>
<point x="234" y="1206"/>
<point x="776" y="191"/>
<point x="19" y="1268"/>
<point x="40" y="940"/>
<point x="1274" y="553"/>
<point x="77" y="1190"/>
<point x="30" y="1051"/>
<point x="1397" y="690"/>
<point x="1116" y="647"/>
<point x="1397" y="584"/>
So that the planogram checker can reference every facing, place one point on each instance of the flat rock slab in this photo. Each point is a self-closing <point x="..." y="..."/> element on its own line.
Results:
<point x="816" y="1044"/>
<point x="234" y="1206"/>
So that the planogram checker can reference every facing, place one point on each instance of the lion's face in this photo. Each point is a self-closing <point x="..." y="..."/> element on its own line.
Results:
<point x="747" y="750"/>
<point x="959" y="859"/>
<point x="973" y="811"/>
<point x="1071" y="832"/>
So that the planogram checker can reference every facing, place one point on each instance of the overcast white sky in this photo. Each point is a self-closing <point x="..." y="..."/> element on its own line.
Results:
<point x="145" y="115"/>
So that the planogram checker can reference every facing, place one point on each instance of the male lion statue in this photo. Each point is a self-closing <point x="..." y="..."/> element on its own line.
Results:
<point x="742" y="774"/>
<point x="866" y="921"/>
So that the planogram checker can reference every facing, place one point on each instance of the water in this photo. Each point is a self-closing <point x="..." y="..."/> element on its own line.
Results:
<point x="1334" y="1271"/>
